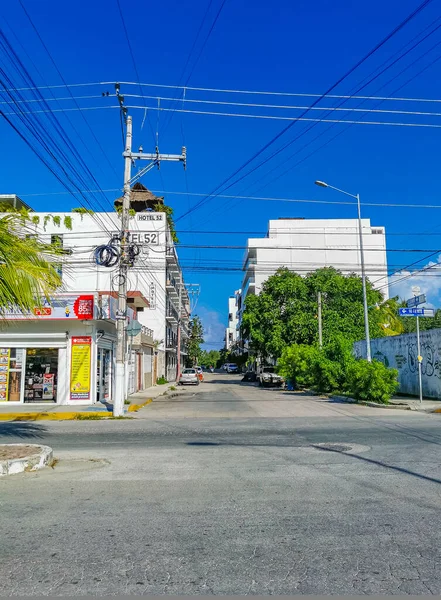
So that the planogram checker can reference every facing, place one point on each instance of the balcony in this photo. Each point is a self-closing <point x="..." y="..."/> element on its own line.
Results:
<point x="171" y="285"/>
<point x="171" y="314"/>
<point x="172" y="259"/>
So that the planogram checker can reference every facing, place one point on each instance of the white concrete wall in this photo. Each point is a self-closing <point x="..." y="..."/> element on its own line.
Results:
<point x="400" y="352"/>
<point x="231" y="330"/>
<point x="306" y="245"/>
<point x="81" y="273"/>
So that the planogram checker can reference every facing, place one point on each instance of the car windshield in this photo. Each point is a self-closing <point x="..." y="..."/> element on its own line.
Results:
<point x="189" y="372"/>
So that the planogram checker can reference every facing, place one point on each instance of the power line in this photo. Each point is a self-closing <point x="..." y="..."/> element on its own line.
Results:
<point x="268" y="93"/>
<point x="63" y="80"/>
<point x="40" y="132"/>
<point x="282" y="106"/>
<point x="291" y="119"/>
<point x="256" y="198"/>
<point x="328" y="91"/>
<point x="201" y="49"/>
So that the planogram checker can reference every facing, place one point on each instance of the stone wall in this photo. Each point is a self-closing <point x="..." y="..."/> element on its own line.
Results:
<point x="400" y="352"/>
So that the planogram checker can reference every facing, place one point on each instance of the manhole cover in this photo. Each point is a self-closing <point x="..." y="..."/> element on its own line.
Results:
<point x="333" y="447"/>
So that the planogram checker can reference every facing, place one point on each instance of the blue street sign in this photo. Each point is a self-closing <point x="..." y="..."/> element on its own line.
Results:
<point x="416" y="312"/>
<point x="416" y="300"/>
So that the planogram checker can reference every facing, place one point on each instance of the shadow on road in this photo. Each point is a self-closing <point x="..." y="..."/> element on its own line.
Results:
<point x="21" y="429"/>
<point x="379" y="463"/>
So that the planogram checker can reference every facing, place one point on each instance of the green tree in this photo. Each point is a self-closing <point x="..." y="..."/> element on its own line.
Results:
<point x="285" y="312"/>
<point x="195" y="339"/>
<point x="27" y="270"/>
<point x="210" y="358"/>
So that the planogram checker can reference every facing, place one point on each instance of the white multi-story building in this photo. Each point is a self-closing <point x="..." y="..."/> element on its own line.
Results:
<point x="231" y="332"/>
<point x="157" y="300"/>
<point x="304" y="245"/>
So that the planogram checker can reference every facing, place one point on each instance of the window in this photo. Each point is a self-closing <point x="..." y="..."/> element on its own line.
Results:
<point x="57" y="240"/>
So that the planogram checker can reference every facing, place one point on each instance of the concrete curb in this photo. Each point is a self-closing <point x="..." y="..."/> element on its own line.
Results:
<point x="350" y="400"/>
<point x="42" y="457"/>
<point x="136" y="407"/>
<point x="61" y="416"/>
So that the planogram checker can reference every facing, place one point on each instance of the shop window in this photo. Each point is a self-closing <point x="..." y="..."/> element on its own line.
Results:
<point x="11" y="368"/>
<point x="41" y="375"/>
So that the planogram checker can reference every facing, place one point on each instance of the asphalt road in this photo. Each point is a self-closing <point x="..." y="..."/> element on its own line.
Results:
<point x="228" y="489"/>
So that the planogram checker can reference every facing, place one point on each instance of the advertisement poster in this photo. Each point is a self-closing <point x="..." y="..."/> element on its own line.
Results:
<point x="48" y="386"/>
<point x="5" y="354"/>
<point x="66" y="307"/>
<point x="80" y="368"/>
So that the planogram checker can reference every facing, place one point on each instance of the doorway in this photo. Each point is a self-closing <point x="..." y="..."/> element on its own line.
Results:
<point x="103" y="375"/>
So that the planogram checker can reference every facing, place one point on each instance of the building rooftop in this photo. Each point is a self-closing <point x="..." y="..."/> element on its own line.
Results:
<point x="14" y="201"/>
<point x="141" y="199"/>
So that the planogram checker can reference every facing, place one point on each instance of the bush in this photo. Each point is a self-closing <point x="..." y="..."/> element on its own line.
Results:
<point x="371" y="381"/>
<point x="327" y="375"/>
<point x="161" y="380"/>
<point x="295" y="364"/>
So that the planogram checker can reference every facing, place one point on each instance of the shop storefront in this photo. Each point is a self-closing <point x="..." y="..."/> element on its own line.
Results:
<point x="62" y="353"/>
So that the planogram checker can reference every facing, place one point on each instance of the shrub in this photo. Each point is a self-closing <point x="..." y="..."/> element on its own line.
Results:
<point x="327" y="375"/>
<point x="339" y="350"/>
<point x="371" y="381"/>
<point x="295" y="364"/>
<point x="161" y="380"/>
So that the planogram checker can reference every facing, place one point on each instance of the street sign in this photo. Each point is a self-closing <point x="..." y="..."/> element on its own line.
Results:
<point x="416" y="312"/>
<point x="134" y="328"/>
<point x="416" y="300"/>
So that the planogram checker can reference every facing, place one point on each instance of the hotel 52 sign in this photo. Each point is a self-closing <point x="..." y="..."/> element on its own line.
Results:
<point x="61" y="308"/>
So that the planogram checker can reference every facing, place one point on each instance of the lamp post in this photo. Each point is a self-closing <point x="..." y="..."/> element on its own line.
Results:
<point x="363" y="271"/>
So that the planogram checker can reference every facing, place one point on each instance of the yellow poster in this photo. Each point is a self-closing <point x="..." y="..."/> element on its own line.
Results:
<point x="80" y="368"/>
<point x="5" y="356"/>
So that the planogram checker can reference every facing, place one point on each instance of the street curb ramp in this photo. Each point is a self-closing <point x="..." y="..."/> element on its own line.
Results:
<point x="42" y="457"/>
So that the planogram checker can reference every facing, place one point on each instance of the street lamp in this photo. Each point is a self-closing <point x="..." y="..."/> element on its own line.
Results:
<point x="363" y="271"/>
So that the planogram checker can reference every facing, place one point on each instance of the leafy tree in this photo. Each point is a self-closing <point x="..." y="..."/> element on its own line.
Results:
<point x="27" y="270"/>
<point x="285" y="312"/>
<point x="210" y="358"/>
<point x="195" y="339"/>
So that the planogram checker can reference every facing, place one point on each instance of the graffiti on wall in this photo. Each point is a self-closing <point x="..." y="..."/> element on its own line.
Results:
<point x="431" y="363"/>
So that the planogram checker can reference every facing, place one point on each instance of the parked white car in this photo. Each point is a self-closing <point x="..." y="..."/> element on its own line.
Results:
<point x="189" y="377"/>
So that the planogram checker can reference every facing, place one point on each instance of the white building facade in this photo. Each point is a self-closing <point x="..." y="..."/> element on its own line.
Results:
<point x="231" y="333"/>
<point x="305" y="245"/>
<point x="58" y="342"/>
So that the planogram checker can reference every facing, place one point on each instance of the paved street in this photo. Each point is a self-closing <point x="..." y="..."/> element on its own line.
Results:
<point x="228" y="489"/>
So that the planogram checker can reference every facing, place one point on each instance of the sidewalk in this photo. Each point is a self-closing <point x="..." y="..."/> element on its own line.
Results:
<point x="427" y="405"/>
<point x="54" y="412"/>
<point x="398" y="403"/>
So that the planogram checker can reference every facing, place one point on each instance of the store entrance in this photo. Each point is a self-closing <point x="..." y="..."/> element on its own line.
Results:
<point x="103" y="375"/>
<point x="41" y="375"/>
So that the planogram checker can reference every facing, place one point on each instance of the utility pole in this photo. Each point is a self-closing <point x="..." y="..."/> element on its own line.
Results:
<point x="320" y="332"/>
<point x="363" y="278"/>
<point x="125" y="259"/>
<point x="420" y="359"/>
<point x="178" y="350"/>
<point x="118" y="401"/>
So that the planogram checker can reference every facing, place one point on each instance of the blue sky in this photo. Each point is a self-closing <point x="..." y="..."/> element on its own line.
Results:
<point x="295" y="47"/>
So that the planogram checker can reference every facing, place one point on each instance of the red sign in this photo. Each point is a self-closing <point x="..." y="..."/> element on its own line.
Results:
<point x="43" y="311"/>
<point x="83" y="307"/>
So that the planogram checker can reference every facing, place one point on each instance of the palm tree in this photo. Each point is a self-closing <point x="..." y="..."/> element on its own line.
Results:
<point x="27" y="267"/>
<point x="388" y="318"/>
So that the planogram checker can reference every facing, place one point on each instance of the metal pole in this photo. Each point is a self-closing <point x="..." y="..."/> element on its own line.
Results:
<point x="178" y="350"/>
<point x="420" y="379"/>
<point x="118" y="402"/>
<point x="363" y="277"/>
<point x="320" y="332"/>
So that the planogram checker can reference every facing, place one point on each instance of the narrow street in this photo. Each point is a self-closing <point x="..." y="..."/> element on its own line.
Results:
<point x="228" y="489"/>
